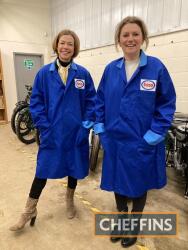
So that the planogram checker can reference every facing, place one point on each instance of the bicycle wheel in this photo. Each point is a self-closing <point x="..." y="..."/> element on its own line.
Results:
<point x="95" y="146"/>
<point x="14" y="116"/>
<point x="24" y="127"/>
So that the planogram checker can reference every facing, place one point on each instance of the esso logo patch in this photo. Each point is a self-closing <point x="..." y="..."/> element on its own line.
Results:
<point x="79" y="83"/>
<point x="148" y="85"/>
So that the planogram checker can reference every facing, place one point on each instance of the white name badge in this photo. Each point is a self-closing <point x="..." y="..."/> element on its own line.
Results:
<point x="148" y="85"/>
<point x="79" y="83"/>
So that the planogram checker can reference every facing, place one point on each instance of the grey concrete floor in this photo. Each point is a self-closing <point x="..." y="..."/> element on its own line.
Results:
<point x="52" y="230"/>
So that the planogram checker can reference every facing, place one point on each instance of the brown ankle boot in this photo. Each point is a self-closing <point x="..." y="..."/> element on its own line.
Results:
<point x="71" y="211"/>
<point x="29" y="214"/>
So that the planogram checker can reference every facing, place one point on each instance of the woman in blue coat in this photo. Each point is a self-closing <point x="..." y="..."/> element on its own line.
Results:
<point x="62" y="109"/>
<point x="134" y="109"/>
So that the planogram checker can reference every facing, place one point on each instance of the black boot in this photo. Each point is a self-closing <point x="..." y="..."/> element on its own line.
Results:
<point x="129" y="241"/>
<point x="116" y="231"/>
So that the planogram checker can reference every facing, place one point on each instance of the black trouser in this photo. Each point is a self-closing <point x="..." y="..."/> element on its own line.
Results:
<point x="138" y="206"/>
<point x="38" y="185"/>
<point x="138" y="203"/>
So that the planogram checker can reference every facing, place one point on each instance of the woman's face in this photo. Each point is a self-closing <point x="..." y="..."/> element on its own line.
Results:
<point x="131" y="40"/>
<point x="65" y="48"/>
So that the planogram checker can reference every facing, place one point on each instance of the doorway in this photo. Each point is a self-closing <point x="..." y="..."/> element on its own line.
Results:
<point x="26" y="67"/>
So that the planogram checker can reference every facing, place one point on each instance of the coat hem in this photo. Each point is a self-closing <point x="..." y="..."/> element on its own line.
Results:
<point x="61" y="177"/>
<point x="119" y="191"/>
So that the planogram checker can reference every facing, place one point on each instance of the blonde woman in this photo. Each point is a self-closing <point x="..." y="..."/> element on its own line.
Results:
<point x="134" y="109"/>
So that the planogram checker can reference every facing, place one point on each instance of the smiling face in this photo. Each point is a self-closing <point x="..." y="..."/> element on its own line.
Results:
<point x="65" y="48"/>
<point x="131" y="40"/>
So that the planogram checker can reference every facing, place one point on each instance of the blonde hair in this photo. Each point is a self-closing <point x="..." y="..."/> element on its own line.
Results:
<point x="71" y="33"/>
<point x="131" y="19"/>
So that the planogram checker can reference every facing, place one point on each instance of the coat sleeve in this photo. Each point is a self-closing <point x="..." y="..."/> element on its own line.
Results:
<point x="37" y="104"/>
<point x="90" y="96"/>
<point x="164" y="108"/>
<point x="100" y="107"/>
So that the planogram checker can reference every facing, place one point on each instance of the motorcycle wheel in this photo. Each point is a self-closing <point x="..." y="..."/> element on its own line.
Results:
<point x="37" y="137"/>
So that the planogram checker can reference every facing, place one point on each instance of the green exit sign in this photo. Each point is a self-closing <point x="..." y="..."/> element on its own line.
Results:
<point x="28" y="63"/>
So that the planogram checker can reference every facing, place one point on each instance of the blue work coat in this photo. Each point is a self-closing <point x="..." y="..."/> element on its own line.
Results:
<point x="59" y="111"/>
<point x="126" y="111"/>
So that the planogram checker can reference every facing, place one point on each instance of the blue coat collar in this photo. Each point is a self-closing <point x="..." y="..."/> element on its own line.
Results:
<point x="143" y="60"/>
<point x="53" y="66"/>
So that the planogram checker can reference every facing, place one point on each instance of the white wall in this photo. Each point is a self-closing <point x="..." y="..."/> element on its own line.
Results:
<point x="25" y="26"/>
<point x="94" y="21"/>
<point x="171" y="48"/>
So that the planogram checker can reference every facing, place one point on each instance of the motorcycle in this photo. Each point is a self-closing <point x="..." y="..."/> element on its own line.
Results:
<point x="177" y="147"/>
<point x="19" y="106"/>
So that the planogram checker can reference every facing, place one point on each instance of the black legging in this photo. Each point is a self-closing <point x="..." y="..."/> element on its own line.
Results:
<point x="72" y="182"/>
<point x="138" y="203"/>
<point x="38" y="185"/>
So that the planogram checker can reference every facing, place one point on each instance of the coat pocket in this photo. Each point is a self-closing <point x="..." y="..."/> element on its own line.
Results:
<point x="146" y="153"/>
<point x="47" y="138"/>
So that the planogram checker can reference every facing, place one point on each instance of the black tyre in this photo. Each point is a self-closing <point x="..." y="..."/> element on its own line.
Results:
<point x="24" y="127"/>
<point x="95" y="146"/>
<point x="37" y="137"/>
<point x="14" y="116"/>
<point x="169" y="150"/>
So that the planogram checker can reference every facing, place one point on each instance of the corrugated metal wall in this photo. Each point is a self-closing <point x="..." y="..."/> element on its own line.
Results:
<point x="95" y="20"/>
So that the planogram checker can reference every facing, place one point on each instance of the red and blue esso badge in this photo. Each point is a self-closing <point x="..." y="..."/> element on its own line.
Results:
<point x="79" y="83"/>
<point x="148" y="85"/>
